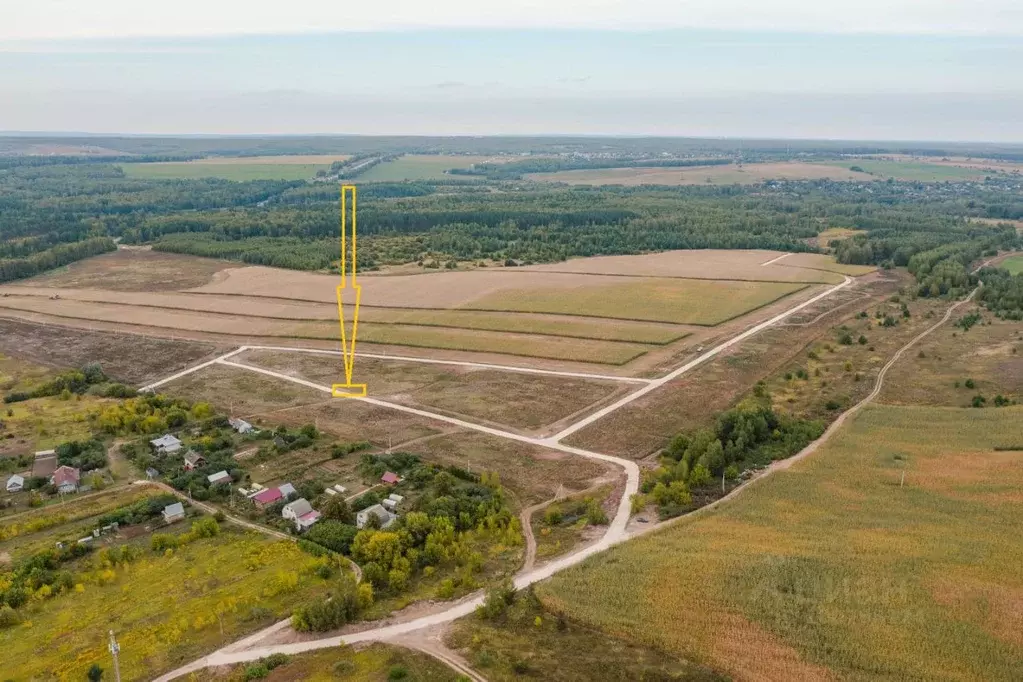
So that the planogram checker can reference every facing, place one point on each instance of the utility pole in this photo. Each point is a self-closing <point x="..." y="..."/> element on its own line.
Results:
<point x="115" y="649"/>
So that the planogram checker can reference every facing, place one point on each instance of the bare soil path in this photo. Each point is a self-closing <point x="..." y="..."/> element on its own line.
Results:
<point x="616" y="533"/>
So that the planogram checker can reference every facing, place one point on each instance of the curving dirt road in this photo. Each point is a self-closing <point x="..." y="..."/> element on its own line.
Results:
<point x="615" y="534"/>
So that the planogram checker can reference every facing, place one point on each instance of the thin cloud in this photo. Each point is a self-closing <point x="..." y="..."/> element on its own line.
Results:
<point x="67" y="19"/>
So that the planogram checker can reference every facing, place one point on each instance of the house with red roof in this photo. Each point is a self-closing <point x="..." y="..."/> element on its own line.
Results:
<point x="390" y="478"/>
<point x="267" y="497"/>
<point x="66" y="479"/>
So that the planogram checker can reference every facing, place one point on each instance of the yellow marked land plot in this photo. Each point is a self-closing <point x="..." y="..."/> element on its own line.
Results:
<point x="348" y="389"/>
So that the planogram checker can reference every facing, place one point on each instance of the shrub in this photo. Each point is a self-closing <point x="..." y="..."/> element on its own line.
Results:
<point x="832" y="404"/>
<point x="397" y="672"/>
<point x="256" y="671"/>
<point x="862" y="340"/>
<point x="978" y="401"/>
<point x="969" y="384"/>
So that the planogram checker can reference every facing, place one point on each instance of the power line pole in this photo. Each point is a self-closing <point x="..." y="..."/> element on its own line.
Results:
<point x="115" y="649"/>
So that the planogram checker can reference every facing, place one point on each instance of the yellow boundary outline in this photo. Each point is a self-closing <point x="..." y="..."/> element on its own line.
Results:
<point x="348" y="389"/>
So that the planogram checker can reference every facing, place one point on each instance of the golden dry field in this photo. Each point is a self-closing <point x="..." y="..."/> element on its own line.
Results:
<point x="607" y="311"/>
<point x="832" y="569"/>
<point x="166" y="608"/>
<point x="505" y="399"/>
<point x="703" y="175"/>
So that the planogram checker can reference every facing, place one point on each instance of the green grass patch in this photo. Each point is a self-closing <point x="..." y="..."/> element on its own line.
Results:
<point x="419" y="167"/>
<point x="680" y="301"/>
<point x="918" y="171"/>
<point x="1014" y="264"/>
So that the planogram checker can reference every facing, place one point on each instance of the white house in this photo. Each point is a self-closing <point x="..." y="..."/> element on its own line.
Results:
<point x="240" y="425"/>
<point x="386" y="518"/>
<point x="15" y="484"/>
<point x="301" y="512"/>
<point x="166" y="444"/>
<point x="219" y="477"/>
<point x="173" y="512"/>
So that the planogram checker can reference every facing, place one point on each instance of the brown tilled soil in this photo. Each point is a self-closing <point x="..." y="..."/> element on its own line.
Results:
<point x="125" y="357"/>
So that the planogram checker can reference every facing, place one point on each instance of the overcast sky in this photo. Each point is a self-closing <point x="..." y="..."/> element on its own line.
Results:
<point x="864" y="69"/>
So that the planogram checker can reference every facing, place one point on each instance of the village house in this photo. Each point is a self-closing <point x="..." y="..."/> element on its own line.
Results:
<point x="390" y="478"/>
<point x="219" y="478"/>
<point x="166" y="444"/>
<point x="301" y="512"/>
<point x="173" y="512"/>
<point x="385" y="517"/>
<point x="15" y="484"/>
<point x="240" y="425"/>
<point x="193" y="460"/>
<point x="66" y="479"/>
<point x="267" y="497"/>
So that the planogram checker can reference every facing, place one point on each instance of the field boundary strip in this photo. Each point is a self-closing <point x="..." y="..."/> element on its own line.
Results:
<point x="460" y="363"/>
<point x="643" y="350"/>
<point x="332" y="318"/>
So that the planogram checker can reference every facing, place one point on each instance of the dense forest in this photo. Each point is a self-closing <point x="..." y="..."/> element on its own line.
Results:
<point x="59" y="209"/>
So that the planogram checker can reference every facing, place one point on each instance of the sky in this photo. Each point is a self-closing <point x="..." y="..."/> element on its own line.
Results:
<point x="869" y="69"/>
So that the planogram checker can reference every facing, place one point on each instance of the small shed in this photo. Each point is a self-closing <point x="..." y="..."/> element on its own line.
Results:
<point x="152" y="473"/>
<point x="240" y="425"/>
<point x="166" y="444"/>
<point x="390" y="478"/>
<point x="173" y="512"/>
<point x="193" y="460"/>
<point x="15" y="484"/>
<point x="287" y="489"/>
<point x="219" y="478"/>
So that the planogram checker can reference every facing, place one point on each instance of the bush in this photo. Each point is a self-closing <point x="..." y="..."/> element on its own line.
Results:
<point x="397" y="672"/>
<point x="969" y="384"/>
<point x="256" y="671"/>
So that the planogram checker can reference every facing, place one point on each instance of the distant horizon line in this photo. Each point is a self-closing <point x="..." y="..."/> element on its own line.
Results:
<point x="469" y="136"/>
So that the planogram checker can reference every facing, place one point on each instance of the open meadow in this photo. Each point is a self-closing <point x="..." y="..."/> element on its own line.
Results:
<point x="421" y="167"/>
<point x="165" y="607"/>
<point x="927" y="170"/>
<point x="835" y="568"/>
<point x="298" y="167"/>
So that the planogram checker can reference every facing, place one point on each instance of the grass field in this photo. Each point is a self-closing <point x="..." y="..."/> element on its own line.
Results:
<point x="419" y="167"/>
<point x="837" y="233"/>
<point x="702" y="175"/>
<point x="817" y="261"/>
<point x="917" y="171"/>
<point x="989" y="356"/>
<point x="527" y="345"/>
<point x="44" y="423"/>
<point x="1013" y="264"/>
<point x="375" y="663"/>
<point x="132" y="270"/>
<point x="240" y="168"/>
<point x="165" y="609"/>
<point x="698" y="302"/>
<point x="832" y="569"/>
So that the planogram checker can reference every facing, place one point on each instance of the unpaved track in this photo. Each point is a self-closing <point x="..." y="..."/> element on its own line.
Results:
<point x="783" y="464"/>
<point x="615" y="534"/>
